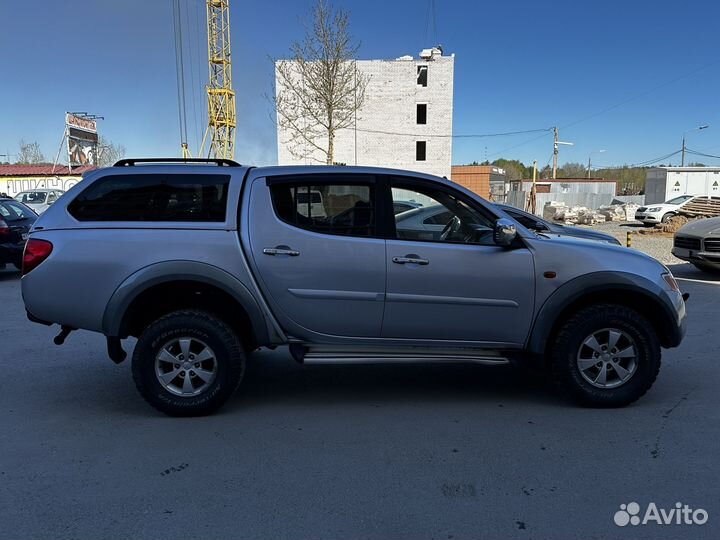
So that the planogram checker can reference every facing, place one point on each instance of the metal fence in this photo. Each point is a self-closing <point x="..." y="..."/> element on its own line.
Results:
<point x="593" y="201"/>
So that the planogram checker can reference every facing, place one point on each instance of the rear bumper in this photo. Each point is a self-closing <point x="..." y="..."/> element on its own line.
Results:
<point x="11" y="253"/>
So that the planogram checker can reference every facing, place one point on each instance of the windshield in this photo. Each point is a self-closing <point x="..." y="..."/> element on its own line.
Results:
<point x="32" y="197"/>
<point x="679" y="200"/>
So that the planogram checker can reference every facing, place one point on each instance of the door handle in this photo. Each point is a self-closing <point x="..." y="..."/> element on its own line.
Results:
<point x="281" y="250"/>
<point x="410" y="259"/>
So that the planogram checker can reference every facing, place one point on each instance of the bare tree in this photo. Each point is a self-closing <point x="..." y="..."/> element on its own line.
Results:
<point x="319" y="89"/>
<point x="108" y="152"/>
<point x="30" y="153"/>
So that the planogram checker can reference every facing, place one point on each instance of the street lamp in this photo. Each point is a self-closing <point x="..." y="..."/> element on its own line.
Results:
<point x="590" y="155"/>
<point x="682" y="161"/>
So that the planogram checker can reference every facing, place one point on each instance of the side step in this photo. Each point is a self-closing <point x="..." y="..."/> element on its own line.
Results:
<point x="343" y="355"/>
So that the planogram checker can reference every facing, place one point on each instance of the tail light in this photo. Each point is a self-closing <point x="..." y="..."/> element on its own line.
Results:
<point x="36" y="251"/>
<point x="4" y="229"/>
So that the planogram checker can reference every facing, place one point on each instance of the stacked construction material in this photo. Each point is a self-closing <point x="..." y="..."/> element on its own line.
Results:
<point x="702" y="207"/>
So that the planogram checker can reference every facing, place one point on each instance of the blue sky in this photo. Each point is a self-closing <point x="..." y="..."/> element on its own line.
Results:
<point x="519" y="65"/>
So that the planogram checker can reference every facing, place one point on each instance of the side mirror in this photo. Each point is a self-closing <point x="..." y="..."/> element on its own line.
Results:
<point x="504" y="232"/>
<point x="540" y="226"/>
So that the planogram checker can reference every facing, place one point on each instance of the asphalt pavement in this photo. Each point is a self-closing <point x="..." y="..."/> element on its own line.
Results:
<point x="351" y="452"/>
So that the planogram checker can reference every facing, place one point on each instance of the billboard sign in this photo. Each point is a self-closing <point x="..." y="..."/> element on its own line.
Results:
<point x="82" y="140"/>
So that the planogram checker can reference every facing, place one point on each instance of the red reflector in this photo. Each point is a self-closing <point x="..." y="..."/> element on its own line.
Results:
<point x="36" y="251"/>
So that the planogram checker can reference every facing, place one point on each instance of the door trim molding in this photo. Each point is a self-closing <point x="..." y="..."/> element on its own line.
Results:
<point x="454" y="300"/>
<point x="323" y="294"/>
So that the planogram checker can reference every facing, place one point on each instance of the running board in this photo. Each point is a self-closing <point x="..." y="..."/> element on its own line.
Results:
<point x="332" y="355"/>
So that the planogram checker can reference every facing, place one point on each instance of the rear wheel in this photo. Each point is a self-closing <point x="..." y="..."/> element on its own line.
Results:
<point x="188" y="363"/>
<point x="606" y="356"/>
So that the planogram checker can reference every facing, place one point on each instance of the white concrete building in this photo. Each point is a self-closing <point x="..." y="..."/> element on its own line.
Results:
<point x="405" y="122"/>
<point x="664" y="183"/>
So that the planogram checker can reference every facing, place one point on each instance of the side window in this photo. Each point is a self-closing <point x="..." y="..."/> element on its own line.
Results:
<point x="154" y="197"/>
<point x="525" y="221"/>
<point x="17" y="212"/>
<point x="344" y="209"/>
<point x="443" y="216"/>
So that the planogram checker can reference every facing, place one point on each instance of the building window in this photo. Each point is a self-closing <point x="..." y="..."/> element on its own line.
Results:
<point x="422" y="74"/>
<point x="422" y="113"/>
<point x="420" y="147"/>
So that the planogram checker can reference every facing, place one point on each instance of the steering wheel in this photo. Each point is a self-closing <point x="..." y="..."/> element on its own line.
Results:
<point x="452" y="227"/>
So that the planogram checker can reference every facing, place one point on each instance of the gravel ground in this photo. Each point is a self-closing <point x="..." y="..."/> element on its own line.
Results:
<point x="655" y="245"/>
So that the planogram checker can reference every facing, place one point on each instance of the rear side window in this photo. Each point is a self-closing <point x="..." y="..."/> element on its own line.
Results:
<point x="12" y="211"/>
<point x="154" y="197"/>
<point x="328" y="208"/>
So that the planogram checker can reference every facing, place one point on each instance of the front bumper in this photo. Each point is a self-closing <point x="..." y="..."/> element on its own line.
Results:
<point x="646" y="217"/>
<point x="694" y="255"/>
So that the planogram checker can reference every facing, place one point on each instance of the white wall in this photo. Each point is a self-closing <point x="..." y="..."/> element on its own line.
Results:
<point x="390" y="106"/>
<point x="664" y="184"/>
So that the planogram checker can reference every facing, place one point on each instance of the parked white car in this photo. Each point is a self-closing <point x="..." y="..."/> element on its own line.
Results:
<point x="39" y="199"/>
<point x="661" y="212"/>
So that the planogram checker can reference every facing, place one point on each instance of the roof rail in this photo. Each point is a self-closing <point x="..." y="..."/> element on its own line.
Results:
<point x="220" y="162"/>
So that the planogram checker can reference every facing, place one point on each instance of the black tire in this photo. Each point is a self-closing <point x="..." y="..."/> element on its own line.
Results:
<point x="666" y="217"/>
<point x="568" y="343"/>
<point x="228" y="362"/>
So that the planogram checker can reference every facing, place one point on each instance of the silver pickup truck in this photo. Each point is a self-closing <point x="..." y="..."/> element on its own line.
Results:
<point x="205" y="261"/>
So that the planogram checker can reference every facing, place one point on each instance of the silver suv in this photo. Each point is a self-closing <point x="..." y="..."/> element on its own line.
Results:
<point x="205" y="261"/>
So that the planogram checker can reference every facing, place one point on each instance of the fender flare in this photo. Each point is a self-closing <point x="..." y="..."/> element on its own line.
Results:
<point x="169" y="271"/>
<point x="595" y="283"/>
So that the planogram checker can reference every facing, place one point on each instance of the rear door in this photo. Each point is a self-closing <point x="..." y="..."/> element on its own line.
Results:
<point x="456" y="285"/>
<point x="319" y="258"/>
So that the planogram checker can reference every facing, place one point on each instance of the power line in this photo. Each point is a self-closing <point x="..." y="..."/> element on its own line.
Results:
<point x="641" y="163"/>
<point x="695" y="152"/>
<point x="523" y="143"/>
<point x="641" y="94"/>
<point x="463" y="136"/>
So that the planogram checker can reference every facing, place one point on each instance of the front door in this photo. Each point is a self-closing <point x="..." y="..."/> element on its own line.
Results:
<point x="315" y="245"/>
<point x="446" y="279"/>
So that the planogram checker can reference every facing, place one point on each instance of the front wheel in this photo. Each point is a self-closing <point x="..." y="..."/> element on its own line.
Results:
<point x="606" y="356"/>
<point x="667" y="216"/>
<point x="188" y="363"/>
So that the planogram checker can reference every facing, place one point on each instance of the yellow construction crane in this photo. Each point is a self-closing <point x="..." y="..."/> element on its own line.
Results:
<point x="220" y="130"/>
<point x="220" y="94"/>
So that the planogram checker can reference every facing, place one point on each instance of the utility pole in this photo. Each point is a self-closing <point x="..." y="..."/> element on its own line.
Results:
<point x="589" y="157"/>
<point x="531" y="204"/>
<point x="556" y="143"/>
<point x="682" y="159"/>
<point x="555" y="152"/>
